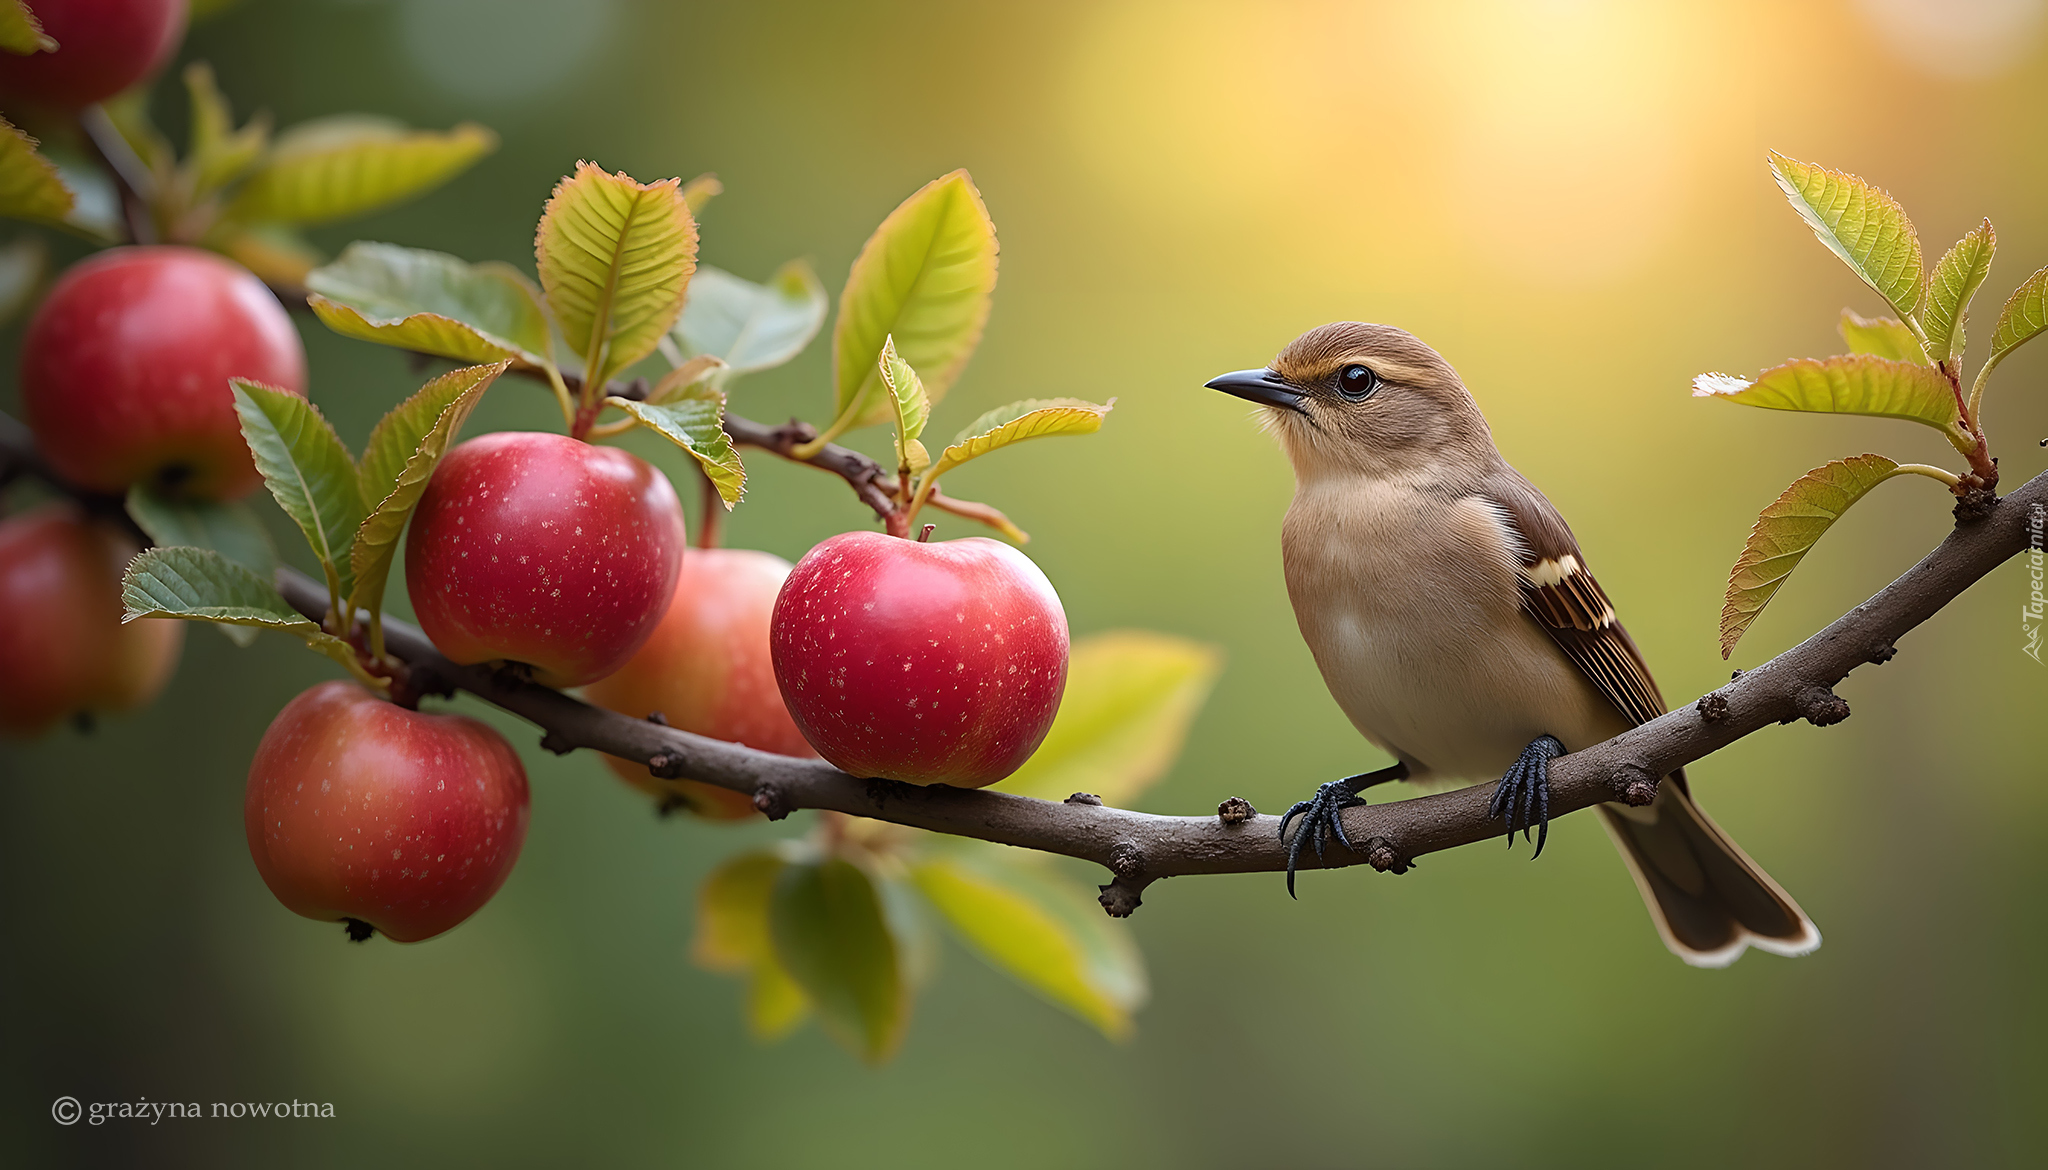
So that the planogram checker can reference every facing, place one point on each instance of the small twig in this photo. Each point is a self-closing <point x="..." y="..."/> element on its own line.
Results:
<point x="130" y="174"/>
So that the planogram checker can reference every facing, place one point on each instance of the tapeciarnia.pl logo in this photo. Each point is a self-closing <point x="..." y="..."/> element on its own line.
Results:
<point x="2036" y="608"/>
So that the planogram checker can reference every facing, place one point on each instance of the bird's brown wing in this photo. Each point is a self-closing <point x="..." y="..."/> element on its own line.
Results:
<point x="1560" y="595"/>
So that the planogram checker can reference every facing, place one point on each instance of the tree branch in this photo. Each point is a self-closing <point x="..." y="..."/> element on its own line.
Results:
<point x="1139" y="848"/>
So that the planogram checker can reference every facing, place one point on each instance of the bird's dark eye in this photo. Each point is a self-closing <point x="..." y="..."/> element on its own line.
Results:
<point x="1356" y="383"/>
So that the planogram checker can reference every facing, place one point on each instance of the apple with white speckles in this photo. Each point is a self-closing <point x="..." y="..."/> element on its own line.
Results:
<point x="937" y="663"/>
<point x="362" y="812"/>
<point x="540" y="549"/>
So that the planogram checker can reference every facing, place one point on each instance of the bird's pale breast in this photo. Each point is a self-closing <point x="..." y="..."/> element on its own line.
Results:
<point x="1421" y="639"/>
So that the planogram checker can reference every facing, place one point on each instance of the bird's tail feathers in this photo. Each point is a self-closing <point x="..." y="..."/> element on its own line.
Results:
<point x="1708" y="899"/>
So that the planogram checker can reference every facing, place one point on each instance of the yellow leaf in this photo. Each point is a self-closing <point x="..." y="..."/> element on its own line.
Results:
<point x="615" y="258"/>
<point x="20" y="32"/>
<point x="1047" y="933"/>
<point x="1131" y="697"/>
<point x="29" y="186"/>
<point x="1032" y="418"/>
<point x="350" y="164"/>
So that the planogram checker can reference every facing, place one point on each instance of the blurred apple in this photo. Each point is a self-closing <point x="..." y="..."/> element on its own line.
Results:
<point x="707" y="670"/>
<point x="63" y="649"/>
<point x="125" y="368"/>
<point x="103" y="47"/>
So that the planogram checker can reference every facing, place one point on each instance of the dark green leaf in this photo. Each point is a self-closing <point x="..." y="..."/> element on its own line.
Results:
<point x="831" y="934"/>
<point x="201" y="585"/>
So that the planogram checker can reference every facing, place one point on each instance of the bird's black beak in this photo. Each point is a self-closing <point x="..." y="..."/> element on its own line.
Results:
<point x="1261" y="386"/>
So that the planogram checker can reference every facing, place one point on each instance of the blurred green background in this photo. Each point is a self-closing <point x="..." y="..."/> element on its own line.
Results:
<point x="1568" y="198"/>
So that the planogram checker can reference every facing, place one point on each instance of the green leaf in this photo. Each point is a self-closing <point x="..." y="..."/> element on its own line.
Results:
<point x="404" y="448"/>
<point x="732" y="938"/>
<point x="351" y="164"/>
<point x="1032" y="418"/>
<point x="24" y="261"/>
<point x="431" y="302"/>
<point x="926" y="277"/>
<point x="1048" y="933"/>
<point x="909" y="404"/>
<point x="1886" y="337"/>
<point x="229" y="528"/>
<point x="751" y="326"/>
<point x="830" y="932"/>
<point x="694" y="421"/>
<point x="2025" y="315"/>
<point x="308" y="471"/>
<point x="21" y="32"/>
<point x="1949" y="289"/>
<point x="219" y="153"/>
<point x="1131" y="697"/>
<point x="1857" y="384"/>
<point x="199" y="584"/>
<point x="29" y="186"/>
<point x="1787" y="530"/>
<point x="615" y="258"/>
<point x="1859" y="223"/>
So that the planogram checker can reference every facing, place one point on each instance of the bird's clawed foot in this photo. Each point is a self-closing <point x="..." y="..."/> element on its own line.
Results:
<point x="1322" y="815"/>
<point x="1523" y="796"/>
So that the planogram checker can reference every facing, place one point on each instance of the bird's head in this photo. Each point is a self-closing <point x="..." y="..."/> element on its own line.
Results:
<point x="1354" y="398"/>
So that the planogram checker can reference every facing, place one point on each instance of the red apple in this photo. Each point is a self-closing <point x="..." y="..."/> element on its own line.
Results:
<point x="707" y="670"/>
<point x="103" y="47"/>
<point x="363" y="812"/>
<point x="125" y="368"/>
<point x="537" y="548"/>
<point x="929" y="663"/>
<point x="63" y="649"/>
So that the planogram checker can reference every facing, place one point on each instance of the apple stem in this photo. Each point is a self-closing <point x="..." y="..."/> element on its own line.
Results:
<point x="926" y="535"/>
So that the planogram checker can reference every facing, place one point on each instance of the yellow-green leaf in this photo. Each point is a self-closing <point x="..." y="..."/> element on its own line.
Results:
<point x="700" y="191"/>
<point x="24" y="261"/>
<point x="926" y="276"/>
<point x="910" y="405"/>
<point x="1856" y="384"/>
<point x="352" y="164"/>
<point x="830" y="932"/>
<point x="1949" y="288"/>
<point x="2025" y="315"/>
<point x="732" y="938"/>
<point x="431" y="302"/>
<point x="1033" y="418"/>
<point x="1048" y="933"/>
<point x="29" y="186"/>
<point x="20" y="32"/>
<point x="1861" y="224"/>
<point x="1885" y="337"/>
<point x="199" y="584"/>
<point x="219" y="153"/>
<point x="1787" y="530"/>
<point x="615" y="257"/>
<point x="1131" y="697"/>
<point x="695" y="421"/>
<point x="308" y="471"/>
<point x="275" y="252"/>
<point x="404" y="448"/>
<point x="751" y="326"/>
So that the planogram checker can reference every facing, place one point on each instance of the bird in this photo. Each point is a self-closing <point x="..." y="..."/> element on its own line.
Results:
<point x="1454" y="619"/>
